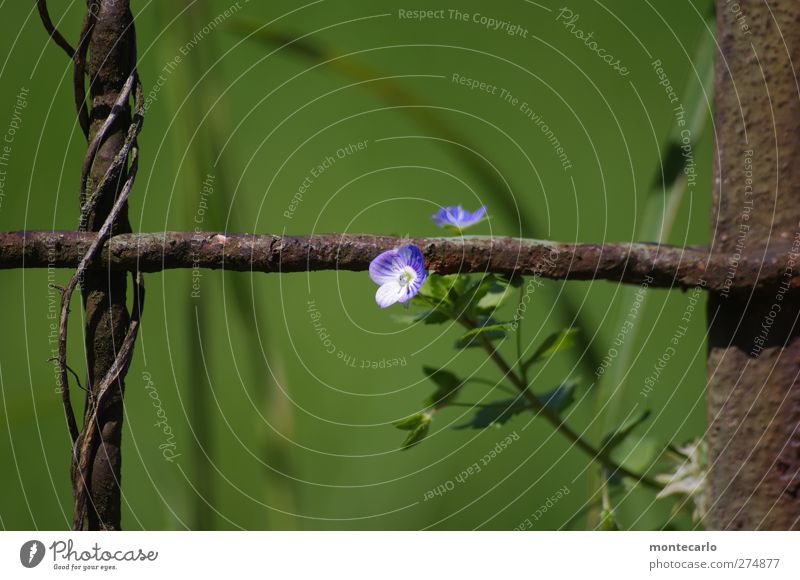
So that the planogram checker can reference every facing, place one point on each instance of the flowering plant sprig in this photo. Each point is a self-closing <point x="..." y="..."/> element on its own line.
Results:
<point x="475" y="302"/>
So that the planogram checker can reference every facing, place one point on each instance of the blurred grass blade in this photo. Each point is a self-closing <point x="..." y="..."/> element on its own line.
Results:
<point x="661" y="209"/>
<point x="200" y="141"/>
<point x="556" y="342"/>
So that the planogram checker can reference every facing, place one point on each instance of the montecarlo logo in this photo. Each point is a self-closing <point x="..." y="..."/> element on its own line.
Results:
<point x="66" y="556"/>
<point x="31" y="553"/>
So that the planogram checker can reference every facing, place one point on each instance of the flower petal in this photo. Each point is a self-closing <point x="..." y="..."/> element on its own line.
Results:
<point x="391" y="271"/>
<point x="385" y="267"/>
<point x="440" y="217"/>
<point x="411" y="290"/>
<point x="478" y="215"/>
<point x="388" y="294"/>
<point x="456" y="218"/>
<point x="411" y="255"/>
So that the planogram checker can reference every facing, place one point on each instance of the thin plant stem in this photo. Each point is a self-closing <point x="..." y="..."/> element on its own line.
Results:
<point x="522" y="369"/>
<point x="600" y="455"/>
<point x="492" y="384"/>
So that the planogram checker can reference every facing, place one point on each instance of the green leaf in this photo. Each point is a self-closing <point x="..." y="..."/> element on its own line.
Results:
<point x="479" y="286"/>
<point x="515" y="280"/>
<point x="440" y="295"/>
<point x="437" y="288"/>
<point x="495" y="296"/>
<point x="485" y="294"/>
<point x="412" y="422"/>
<point x="494" y="300"/>
<point x="471" y="342"/>
<point x="560" y="398"/>
<point x="497" y="330"/>
<point x="420" y="300"/>
<point x="554" y="343"/>
<point x="415" y="436"/>
<point x="447" y="383"/>
<point x="426" y="316"/>
<point x="418" y="425"/>
<point x="496" y="413"/>
<point x="612" y="440"/>
<point x="487" y="327"/>
<point x="608" y="522"/>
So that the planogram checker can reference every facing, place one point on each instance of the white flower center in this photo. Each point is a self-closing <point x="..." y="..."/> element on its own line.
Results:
<point x="407" y="276"/>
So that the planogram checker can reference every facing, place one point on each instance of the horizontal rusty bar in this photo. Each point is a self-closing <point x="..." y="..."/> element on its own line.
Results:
<point x="632" y="263"/>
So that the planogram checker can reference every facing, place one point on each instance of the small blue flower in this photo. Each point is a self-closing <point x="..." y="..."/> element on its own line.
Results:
<point x="457" y="218"/>
<point x="399" y="272"/>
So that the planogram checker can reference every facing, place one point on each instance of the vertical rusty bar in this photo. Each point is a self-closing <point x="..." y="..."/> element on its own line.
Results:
<point x="104" y="292"/>
<point x="754" y="344"/>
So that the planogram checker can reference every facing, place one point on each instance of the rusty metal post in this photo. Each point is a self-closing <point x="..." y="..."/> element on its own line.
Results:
<point x="754" y="344"/>
<point x="105" y="292"/>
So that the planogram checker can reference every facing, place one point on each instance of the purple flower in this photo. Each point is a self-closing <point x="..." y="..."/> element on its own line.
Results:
<point x="457" y="218"/>
<point x="400" y="273"/>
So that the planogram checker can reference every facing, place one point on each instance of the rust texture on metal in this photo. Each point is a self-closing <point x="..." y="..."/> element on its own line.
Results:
<point x="662" y="266"/>
<point x="754" y="345"/>
<point x="105" y="292"/>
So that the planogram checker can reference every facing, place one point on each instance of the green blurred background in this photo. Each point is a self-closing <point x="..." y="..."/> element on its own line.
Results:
<point x="272" y="431"/>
